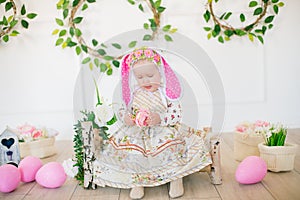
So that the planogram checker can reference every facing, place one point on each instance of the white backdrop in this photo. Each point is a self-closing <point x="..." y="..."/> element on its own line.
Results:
<point x="261" y="81"/>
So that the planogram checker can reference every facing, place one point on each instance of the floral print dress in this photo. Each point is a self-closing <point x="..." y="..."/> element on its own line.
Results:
<point x="150" y="156"/>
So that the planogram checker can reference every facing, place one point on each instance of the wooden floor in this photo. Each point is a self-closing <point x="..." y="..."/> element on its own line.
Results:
<point x="282" y="186"/>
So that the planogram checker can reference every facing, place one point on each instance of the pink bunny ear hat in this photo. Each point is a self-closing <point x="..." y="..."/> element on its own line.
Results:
<point x="172" y="87"/>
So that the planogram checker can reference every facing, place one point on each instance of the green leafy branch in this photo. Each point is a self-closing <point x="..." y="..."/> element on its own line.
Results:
<point x="265" y="12"/>
<point x="95" y="55"/>
<point x="9" y="23"/>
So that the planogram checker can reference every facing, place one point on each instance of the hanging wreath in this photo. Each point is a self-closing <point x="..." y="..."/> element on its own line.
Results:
<point x="8" y="25"/>
<point x="264" y="12"/>
<point x="70" y="35"/>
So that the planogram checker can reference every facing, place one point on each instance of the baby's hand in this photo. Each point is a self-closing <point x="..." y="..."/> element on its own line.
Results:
<point x="154" y="119"/>
<point x="128" y="120"/>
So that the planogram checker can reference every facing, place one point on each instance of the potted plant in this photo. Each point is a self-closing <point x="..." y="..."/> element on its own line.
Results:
<point x="246" y="138"/>
<point x="278" y="154"/>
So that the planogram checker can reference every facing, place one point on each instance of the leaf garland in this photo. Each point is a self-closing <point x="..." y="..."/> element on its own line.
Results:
<point x="8" y="24"/>
<point x="95" y="55"/>
<point x="265" y="11"/>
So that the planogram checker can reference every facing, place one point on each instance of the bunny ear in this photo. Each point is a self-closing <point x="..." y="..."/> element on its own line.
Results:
<point x="125" y="81"/>
<point x="173" y="87"/>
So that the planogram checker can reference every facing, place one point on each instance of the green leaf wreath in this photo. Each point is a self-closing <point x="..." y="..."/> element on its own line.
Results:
<point x="10" y="22"/>
<point x="265" y="11"/>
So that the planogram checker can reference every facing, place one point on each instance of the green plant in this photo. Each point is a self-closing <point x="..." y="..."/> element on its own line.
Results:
<point x="275" y="135"/>
<point x="8" y="25"/>
<point x="95" y="55"/>
<point x="264" y="11"/>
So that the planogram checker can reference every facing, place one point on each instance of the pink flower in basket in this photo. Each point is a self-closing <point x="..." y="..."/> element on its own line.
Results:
<point x="26" y="129"/>
<point x="141" y="118"/>
<point x="37" y="134"/>
<point x="260" y="123"/>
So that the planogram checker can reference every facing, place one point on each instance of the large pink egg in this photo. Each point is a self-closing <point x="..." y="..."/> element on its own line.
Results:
<point x="29" y="166"/>
<point x="251" y="170"/>
<point x="9" y="178"/>
<point x="51" y="175"/>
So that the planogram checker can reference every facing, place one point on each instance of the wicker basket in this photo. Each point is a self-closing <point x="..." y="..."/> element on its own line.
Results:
<point x="246" y="145"/>
<point x="278" y="158"/>
<point x="39" y="148"/>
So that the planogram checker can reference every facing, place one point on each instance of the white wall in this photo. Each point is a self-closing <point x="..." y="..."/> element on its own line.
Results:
<point x="261" y="81"/>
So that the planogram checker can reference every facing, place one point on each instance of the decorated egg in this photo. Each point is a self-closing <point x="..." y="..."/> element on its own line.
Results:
<point x="51" y="175"/>
<point x="29" y="167"/>
<point x="9" y="178"/>
<point x="251" y="170"/>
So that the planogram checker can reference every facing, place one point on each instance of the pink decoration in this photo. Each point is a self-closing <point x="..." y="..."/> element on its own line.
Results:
<point x="51" y="175"/>
<point x="141" y="118"/>
<point x="9" y="178"/>
<point x="251" y="170"/>
<point x="28" y="167"/>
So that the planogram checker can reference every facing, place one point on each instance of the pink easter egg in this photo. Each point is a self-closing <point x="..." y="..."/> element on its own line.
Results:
<point x="9" y="178"/>
<point x="29" y="166"/>
<point x="51" y="175"/>
<point x="251" y="170"/>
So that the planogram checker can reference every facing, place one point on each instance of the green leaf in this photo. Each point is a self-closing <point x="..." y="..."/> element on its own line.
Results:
<point x="275" y="1"/>
<point x="146" y="26"/>
<point x="91" y="66"/>
<point x="270" y="26"/>
<point x="157" y="4"/>
<point x="31" y="15"/>
<point x="258" y="11"/>
<point x="226" y="38"/>
<point x="2" y="1"/>
<point x="132" y="44"/>
<point x="276" y="9"/>
<point x="86" y="60"/>
<point x="23" y="10"/>
<point x="206" y="16"/>
<point x="260" y="38"/>
<point x="59" y="22"/>
<point x="78" y="32"/>
<point x="147" y="37"/>
<point x="116" y="45"/>
<point x="78" y="50"/>
<point x="97" y="62"/>
<point x="4" y="21"/>
<point x="116" y="63"/>
<point x="166" y="28"/>
<point x="227" y="16"/>
<point x="131" y="2"/>
<point x="242" y="17"/>
<point x="75" y="3"/>
<point x="13" y="23"/>
<point x="168" y="38"/>
<point x="220" y="39"/>
<point x="141" y="7"/>
<point x="161" y="9"/>
<point x="62" y="33"/>
<point x="239" y="32"/>
<point x="253" y="4"/>
<point x="101" y="52"/>
<point x="108" y="58"/>
<point x="65" y="13"/>
<point x="91" y="1"/>
<point x="55" y="31"/>
<point x="217" y="29"/>
<point x="84" y="7"/>
<point x="77" y="20"/>
<point x="24" y="23"/>
<point x="84" y="48"/>
<point x="248" y="28"/>
<point x="14" y="33"/>
<point x="94" y="42"/>
<point x="5" y="38"/>
<point x="59" y="41"/>
<point x="269" y="19"/>
<point x="222" y="16"/>
<point x="109" y="72"/>
<point x="280" y="4"/>
<point x="207" y="28"/>
<point x="71" y="31"/>
<point x="9" y="5"/>
<point x="103" y="67"/>
<point x="228" y="33"/>
<point x="250" y="36"/>
<point x="153" y="25"/>
<point x="71" y="43"/>
<point x="173" y="30"/>
<point x="264" y="28"/>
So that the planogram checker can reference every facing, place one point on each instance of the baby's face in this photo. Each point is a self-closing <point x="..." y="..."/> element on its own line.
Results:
<point x="147" y="75"/>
